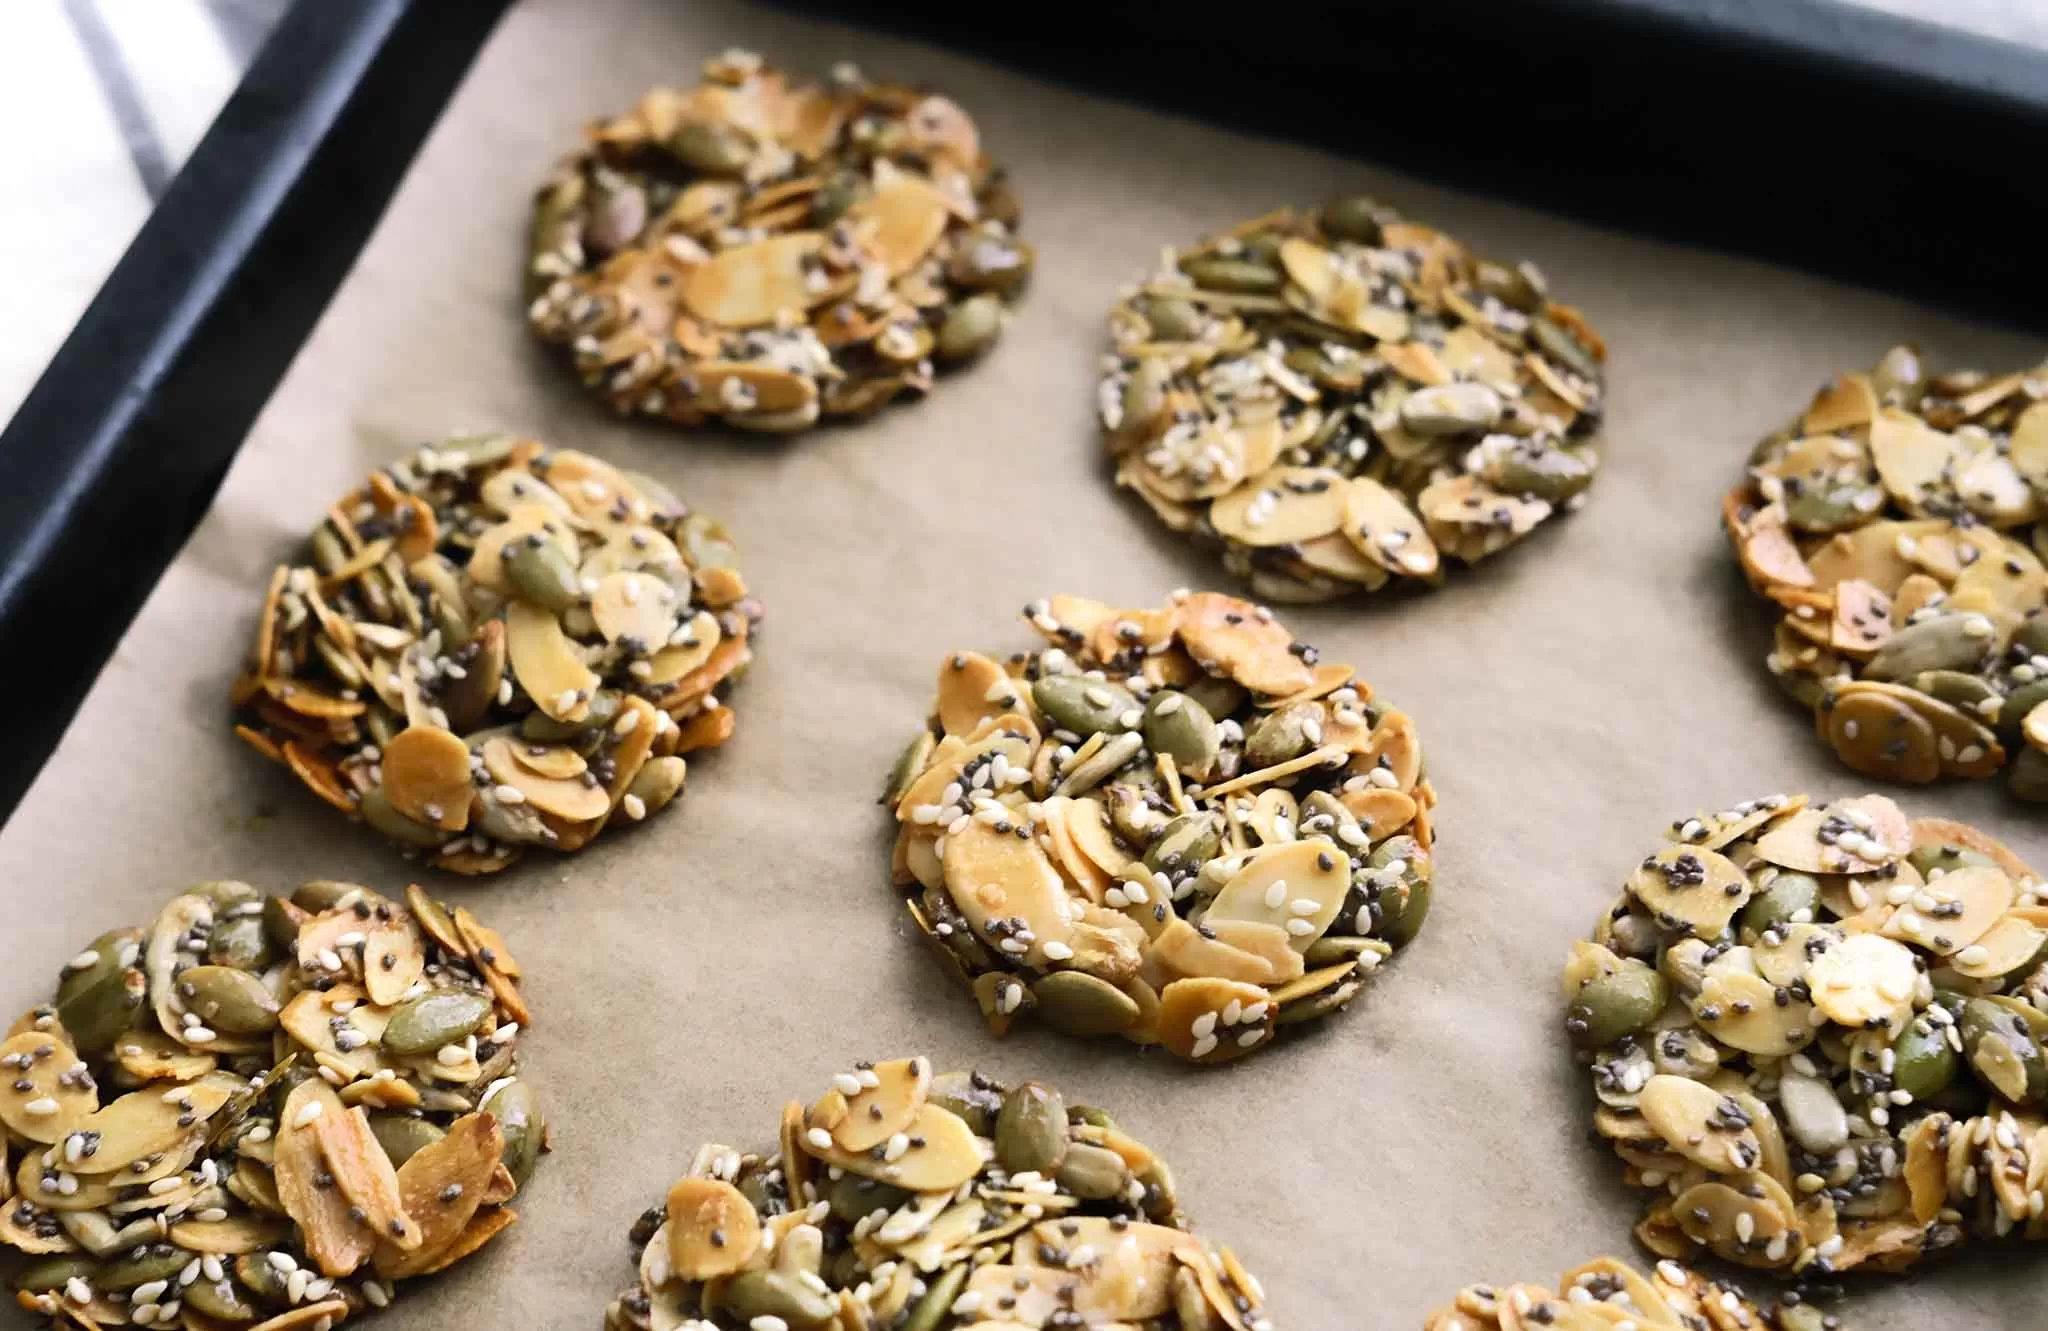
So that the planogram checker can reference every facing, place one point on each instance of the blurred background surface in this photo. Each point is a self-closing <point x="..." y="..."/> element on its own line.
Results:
<point x="102" y="100"/>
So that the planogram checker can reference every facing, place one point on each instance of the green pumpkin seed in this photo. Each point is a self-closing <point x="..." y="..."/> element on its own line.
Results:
<point x="1553" y="341"/>
<point x="1171" y="319"/>
<point x="443" y="1017"/>
<point x="522" y="1125"/>
<point x="261" y="1278"/>
<point x="1403" y="900"/>
<point x="1217" y="695"/>
<point x="1518" y="287"/>
<point x="1095" y="1173"/>
<point x="1790" y="897"/>
<point x="991" y="263"/>
<point x="1162" y="1200"/>
<point x="239" y="941"/>
<point x="712" y="149"/>
<point x="1448" y="409"/>
<point x="2031" y="636"/>
<point x="1356" y="219"/>
<point x="544" y="729"/>
<point x="1031" y="1130"/>
<point x="969" y="329"/>
<point x="2018" y="704"/>
<point x="325" y="894"/>
<point x="937" y="1303"/>
<point x="1081" y="705"/>
<point x="221" y="1299"/>
<point x="1239" y="276"/>
<point x="1617" y="1004"/>
<point x="1923" y="1063"/>
<point x="404" y="1135"/>
<point x="96" y="1006"/>
<point x="540" y="571"/>
<point x="375" y="807"/>
<point x="1932" y="861"/>
<point x="157" y="1261"/>
<point x="1281" y="734"/>
<point x="1550" y="472"/>
<point x="1943" y="642"/>
<point x="2004" y="1051"/>
<point x="1180" y="727"/>
<point x="1965" y="692"/>
<point x="53" y="1273"/>
<point x="1144" y="394"/>
<point x="975" y="1101"/>
<point x="853" y="1198"/>
<point x="1080" y="1004"/>
<point x="782" y="1294"/>
<point x="229" y="1000"/>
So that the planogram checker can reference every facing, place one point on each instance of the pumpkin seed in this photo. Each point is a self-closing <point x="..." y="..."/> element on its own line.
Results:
<point x="1031" y="1130"/>
<point x="1404" y="355"/>
<point x="1076" y="837"/>
<point x="1081" y="705"/>
<point x="1808" y="1050"/>
<point x="1070" y="1218"/>
<point x="229" y="1000"/>
<point x="426" y="1023"/>
<point x="556" y="597"/>
<point x="1950" y="529"/>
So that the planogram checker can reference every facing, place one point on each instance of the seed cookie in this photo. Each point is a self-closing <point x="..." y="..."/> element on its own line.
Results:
<point x="265" y="1112"/>
<point x="1343" y="399"/>
<point x="763" y="251"/>
<point x="1607" y="1293"/>
<point x="1818" y="1036"/>
<point x="495" y="645"/>
<point x="1898" y="528"/>
<point x="1178" y="825"/>
<point x="920" y="1202"/>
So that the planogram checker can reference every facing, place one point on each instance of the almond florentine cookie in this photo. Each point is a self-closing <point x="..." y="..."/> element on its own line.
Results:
<point x="1818" y="1036"/>
<point x="917" y="1202"/>
<point x="495" y="645"/>
<point x="1342" y="399"/>
<point x="1177" y="825"/>
<point x="1897" y="526"/>
<point x="265" y="1112"/>
<point x="1607" y="1294"/>
<point x="764" y="251"/>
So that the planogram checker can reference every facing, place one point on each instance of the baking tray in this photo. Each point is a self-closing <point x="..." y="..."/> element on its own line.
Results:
<point x="1573" y="697"/>
<point x="1825" y="136"/>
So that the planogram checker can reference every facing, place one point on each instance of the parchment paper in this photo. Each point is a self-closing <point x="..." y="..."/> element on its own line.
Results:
<point x="691" y="975"/>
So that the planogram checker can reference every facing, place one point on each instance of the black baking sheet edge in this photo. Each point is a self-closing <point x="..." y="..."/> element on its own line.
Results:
<point x="1893" y="153"/>
<point x="117" y="451"/>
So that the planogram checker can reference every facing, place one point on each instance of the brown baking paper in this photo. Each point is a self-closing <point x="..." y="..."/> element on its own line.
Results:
<point x="690" y="975"/>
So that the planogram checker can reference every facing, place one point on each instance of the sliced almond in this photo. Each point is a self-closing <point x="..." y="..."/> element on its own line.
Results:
<point x="972" y="689"/>
<point x="713" y="1230"/>
<point x="546" y="663"/>
<point x="635" y="606"/>
<point x="55" y="1100"/>
<point x="1283" y="506"/>
<point x="1863" y="981"/>
<point x="362" y="1173"/>
<point x="1700" y="1123"/>
<point x="336" y="1242"/>
<point x="1236" y="638"/>
<point x="1297" y="887"/>
<point x="426" y="777"/>
<point x="439" y="1188"/>
<point x="574" y="799"/>
<point x="996" y="878"/>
